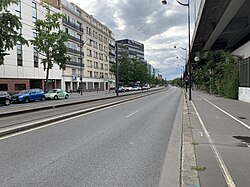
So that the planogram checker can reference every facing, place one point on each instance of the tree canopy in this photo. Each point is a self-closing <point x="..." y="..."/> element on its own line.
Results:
<point x="50" y="42"/>
<point x="131" y="71"/>
<point x="10" y="25"/>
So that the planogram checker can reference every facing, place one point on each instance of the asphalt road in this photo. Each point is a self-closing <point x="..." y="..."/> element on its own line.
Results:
<point x="123" y="145"/>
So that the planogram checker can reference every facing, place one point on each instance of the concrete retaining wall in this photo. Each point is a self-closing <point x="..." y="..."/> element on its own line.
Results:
<point x="244" y="94"/>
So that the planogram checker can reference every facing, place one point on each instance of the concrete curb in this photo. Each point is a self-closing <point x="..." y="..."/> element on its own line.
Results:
<point x="189" y="176"/>
<point x="170" y="176"/>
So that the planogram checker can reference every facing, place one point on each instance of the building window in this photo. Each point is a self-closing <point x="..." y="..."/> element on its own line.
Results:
<point x="89" y="63"/>
<point x="96" y="65"/>
<point x="101" y="66"/>
<point x="4" y="87"/>
<point x="35" y="57"/>
<point x="78" y="12"/>
<point x="18" y="9"/>
<point x="96" y="74"/>
<point x="34" y="11"/>
<point x="90" y="74"/>
<point x="89" y="53"/>
<point x="20" y="86"/>
<point x="73" y="71"/>
<point x="19" y="55"/>
<point x="101" y="75"/>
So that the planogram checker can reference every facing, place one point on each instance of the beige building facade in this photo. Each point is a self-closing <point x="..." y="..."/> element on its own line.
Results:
<point x="90" y="49"/>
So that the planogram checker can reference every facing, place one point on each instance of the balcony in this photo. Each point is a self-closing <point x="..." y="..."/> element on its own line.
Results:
<point x="75" y="64"/>
<point x="75" y="39"/>
<point x="65" y="21"/>
<point x="75" y="51"/>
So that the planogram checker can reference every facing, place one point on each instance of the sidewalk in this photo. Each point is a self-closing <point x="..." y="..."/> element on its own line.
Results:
<point x="220" y="139"/>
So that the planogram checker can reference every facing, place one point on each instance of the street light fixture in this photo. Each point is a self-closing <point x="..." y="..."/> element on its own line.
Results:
<point x="164" y="2"/>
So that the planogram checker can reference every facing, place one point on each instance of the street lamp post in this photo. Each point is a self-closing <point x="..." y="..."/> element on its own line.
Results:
<point x="164" y="2"/>
<point x="117" y="70"/>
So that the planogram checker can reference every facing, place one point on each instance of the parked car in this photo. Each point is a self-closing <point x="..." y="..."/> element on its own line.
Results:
<point x="56" y="94"/>
<point x="146" y="87"/>
<point x="29" y="95"/>
<point x="128" y="89"/>
<point x="5" y="98"/>
<point x="136" y="88"/>
<point x="121" y="89"/>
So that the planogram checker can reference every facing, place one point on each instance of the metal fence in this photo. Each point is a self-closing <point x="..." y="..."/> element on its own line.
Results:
<point x="244" y="73"/>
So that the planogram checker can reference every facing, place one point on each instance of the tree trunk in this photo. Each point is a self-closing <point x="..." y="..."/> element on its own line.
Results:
<point x="47" y="72"/>
<point x="47" y="79"/>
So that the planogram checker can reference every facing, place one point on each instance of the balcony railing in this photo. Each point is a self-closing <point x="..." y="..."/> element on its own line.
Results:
<point x="75" y="38"/>
<point x="74" y="63"/>
<point x="75" y="51"/>
<point x="72" y="24"/>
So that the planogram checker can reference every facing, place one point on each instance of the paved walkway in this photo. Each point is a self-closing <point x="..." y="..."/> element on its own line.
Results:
<point x="221" y="140"/>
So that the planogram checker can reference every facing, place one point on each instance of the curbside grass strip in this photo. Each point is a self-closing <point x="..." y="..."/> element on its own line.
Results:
<point x="189" y="177"/>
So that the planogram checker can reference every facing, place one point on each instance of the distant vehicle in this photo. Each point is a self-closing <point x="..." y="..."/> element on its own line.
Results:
<point x="146" y="87"/>
<point x="5" y="98"/>
<point x="129" y="88"/>
<point x="136" y="88"/>
<point x="56" y="94"/>
<point x="29" y="95"/>
<point x="121" y="89"/>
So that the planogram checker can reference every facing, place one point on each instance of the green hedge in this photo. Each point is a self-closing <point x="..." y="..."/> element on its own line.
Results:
<point x="219" y="75"/>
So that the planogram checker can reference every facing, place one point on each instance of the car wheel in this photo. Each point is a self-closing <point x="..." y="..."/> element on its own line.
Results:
<point x="55" y="97"/>
<point x="7" y="102"/>
<point x="43" y="98"/>
<point x="26" y="100"/>
<point x="66" y="96"/>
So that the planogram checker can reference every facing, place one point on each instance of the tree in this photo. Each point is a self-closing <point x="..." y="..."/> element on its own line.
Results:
<point x="9" y="26"/>
<point x="49" y="42"/>
<point x="131" y="70"/>
<point x="220" y="74"/>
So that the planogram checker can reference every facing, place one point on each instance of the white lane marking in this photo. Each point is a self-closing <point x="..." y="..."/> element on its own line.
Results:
<point x="132" y="114"/>
<point x="242" y="123"/>
<point x="247" y="144"/>
<point x="225" y="172"/>
<point x="201" y="133"/>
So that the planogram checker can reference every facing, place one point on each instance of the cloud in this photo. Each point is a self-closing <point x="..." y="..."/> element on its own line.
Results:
<point x="158" y="27"/>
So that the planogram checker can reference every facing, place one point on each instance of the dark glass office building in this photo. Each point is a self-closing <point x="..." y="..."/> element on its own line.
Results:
<point x="133" y="49"/>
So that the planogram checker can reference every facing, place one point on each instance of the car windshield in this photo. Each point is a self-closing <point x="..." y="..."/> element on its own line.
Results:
<point x="52" y="91"/>
<point x="3" y="93"/>
<point x="24" y="92"/>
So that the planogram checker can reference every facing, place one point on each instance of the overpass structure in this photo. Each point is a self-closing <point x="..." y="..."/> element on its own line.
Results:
<point x="225" y="25"/>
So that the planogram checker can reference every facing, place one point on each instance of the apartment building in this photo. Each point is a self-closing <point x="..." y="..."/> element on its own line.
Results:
<point x="22" y="68"/>
<point x="90" y="49"/>
<point x="133" y="49"/>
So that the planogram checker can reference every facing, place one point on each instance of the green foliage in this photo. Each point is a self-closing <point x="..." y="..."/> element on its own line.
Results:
<point x="219" y="75"/>
<point x="175" y="82"/>
<point x="131" y="71"/>
<point x="9" y="26"/>
<point x="49" y="42"/>
<point x="5" y="3"/>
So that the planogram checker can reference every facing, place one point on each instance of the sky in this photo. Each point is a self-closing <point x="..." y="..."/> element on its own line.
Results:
<point x="159" y="27"/>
